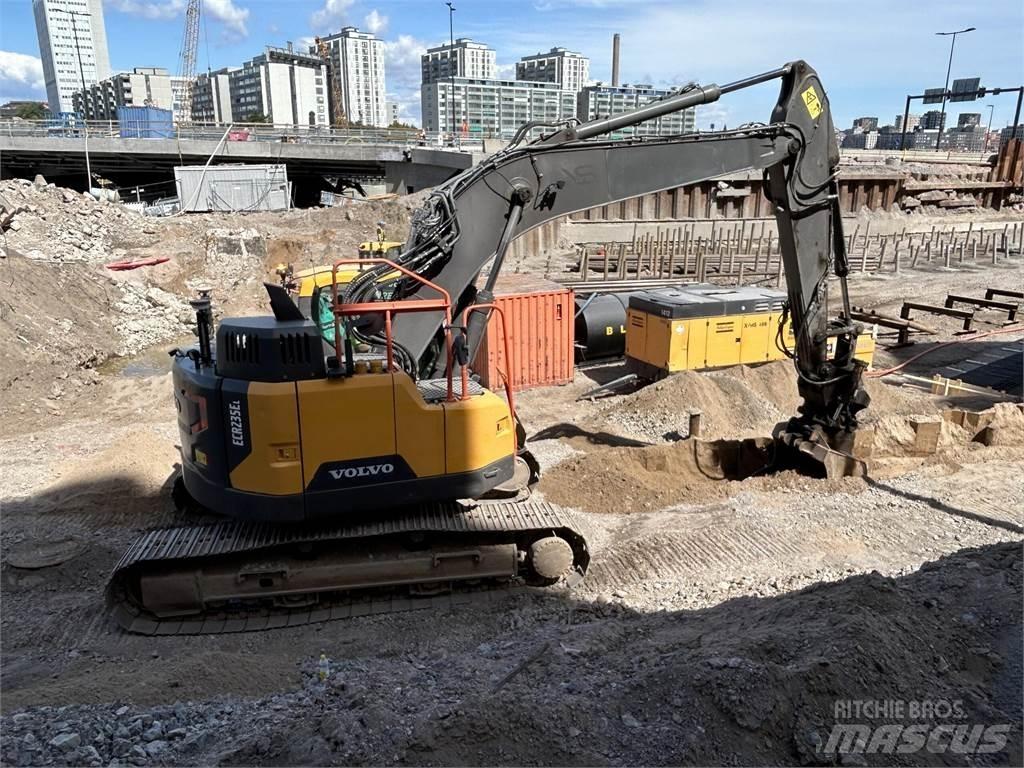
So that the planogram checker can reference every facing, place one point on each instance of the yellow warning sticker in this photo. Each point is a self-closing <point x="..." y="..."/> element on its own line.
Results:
<point x="812" y="102"/>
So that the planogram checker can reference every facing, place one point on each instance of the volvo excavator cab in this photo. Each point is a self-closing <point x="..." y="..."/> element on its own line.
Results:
<point x="278" y="431"/>
<point x="354" y="462"/>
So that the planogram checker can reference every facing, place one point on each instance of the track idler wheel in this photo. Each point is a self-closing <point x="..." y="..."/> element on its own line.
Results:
<point x="551" y="557"/>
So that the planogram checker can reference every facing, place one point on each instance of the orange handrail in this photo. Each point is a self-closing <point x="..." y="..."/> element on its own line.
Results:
<point x="388" y="308"/>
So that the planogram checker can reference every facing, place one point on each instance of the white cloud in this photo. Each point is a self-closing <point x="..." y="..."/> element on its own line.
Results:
<point x="331" y="15"/>
<point x="505" y="71"/>
<point x="375" y="22"/>
<point x="21" y="77"/>
<point x="149" y="10"/>
<point x="231" y="16"/>
<point x="402" y="59"/>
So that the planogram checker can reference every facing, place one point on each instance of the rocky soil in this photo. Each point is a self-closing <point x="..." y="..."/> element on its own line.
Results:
<point x="63" y="315"/>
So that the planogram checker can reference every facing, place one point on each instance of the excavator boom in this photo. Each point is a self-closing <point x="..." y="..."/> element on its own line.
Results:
<point x="470" y="221"/>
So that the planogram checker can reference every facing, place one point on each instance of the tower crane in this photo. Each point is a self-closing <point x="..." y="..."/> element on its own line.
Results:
<point x="187" y="57"/>
<point x="337" y="109"/>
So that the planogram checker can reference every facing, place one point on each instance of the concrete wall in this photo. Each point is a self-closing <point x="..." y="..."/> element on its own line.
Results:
<point x="278" y="95"/>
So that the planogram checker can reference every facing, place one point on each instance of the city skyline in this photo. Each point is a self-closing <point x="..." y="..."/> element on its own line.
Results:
<point x="863" y="79"/>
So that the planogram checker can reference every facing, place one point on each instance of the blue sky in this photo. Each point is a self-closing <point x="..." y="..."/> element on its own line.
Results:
<point x="870" y="53"/>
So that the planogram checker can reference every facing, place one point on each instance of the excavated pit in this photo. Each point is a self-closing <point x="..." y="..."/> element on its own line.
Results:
<point x="617" y="474"/>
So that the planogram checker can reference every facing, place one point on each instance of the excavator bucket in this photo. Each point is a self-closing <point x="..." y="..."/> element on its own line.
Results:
<point x="816" y="453"/>
<point x="835" y="463"/>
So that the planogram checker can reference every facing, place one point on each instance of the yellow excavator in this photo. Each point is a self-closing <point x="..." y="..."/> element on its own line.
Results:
<point x="352" y="467"/>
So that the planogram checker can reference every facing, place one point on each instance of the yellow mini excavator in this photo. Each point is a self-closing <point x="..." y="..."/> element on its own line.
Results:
<point x="351" y="467"/>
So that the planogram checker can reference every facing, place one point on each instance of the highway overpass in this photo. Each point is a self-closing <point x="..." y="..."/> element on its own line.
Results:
<point x="403" y="167"/>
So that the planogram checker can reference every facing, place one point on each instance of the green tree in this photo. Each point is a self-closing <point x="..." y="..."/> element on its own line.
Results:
<point x="31" y="111"/>
<point x="398" y="125"/>
<point x="256" y="117"/>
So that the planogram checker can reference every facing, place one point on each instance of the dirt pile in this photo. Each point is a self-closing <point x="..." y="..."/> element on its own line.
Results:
<point x="737" y="402"/>
<point x="899" y="437"/>
<point x="624" y="480"/>
<point x="63" y="313"/>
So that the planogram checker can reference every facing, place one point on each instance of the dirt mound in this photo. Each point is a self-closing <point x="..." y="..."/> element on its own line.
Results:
<point x="737" y="402"/>
<point x="1005" y="425"/>
<point x="623" y="480"/>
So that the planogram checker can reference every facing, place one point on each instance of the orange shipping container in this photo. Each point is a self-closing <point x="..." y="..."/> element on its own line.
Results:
<point x="539" y="313"/>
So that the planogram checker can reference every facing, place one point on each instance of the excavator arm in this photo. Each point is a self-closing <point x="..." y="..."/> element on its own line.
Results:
<point x="470" y="221"/>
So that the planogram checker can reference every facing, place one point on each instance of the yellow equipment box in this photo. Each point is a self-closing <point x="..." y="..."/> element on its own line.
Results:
<point x="701" y="326"/>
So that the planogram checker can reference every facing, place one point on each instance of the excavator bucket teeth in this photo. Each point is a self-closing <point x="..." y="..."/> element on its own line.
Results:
<point x="813" y="452"/>
<point x="835" y="463"/>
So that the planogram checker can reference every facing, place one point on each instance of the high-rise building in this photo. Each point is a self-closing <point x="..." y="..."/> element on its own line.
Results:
<point x="1011" y="132"/>
<point x="599" y="101"/>
<point x="211" y="97"/>
<point x="393" y="110"/>
<point x="866" y="123"/>
<point x="861" y="139"/>
<point x="469" y="59"/>
<point x="968" y="120"/>
<point x="72" y="46"/>
<point x="931" y="120"/>
<point x="178" y="95"/>
<point x="489" y="108"/>
<point x="357" y="59"/>
<point x="282" y="84"/>
<point x="569" y="69"/>
<point x="965" y="138"/>
<point x="142" y="87"/>
<point x="912" y="122"/>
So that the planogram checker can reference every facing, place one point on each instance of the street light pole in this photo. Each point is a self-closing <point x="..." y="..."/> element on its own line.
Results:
<point x="81" y="74"/>
<point x="945" y="91"/>
<point x="991" y="111"/>
<point x="451" y="64"/>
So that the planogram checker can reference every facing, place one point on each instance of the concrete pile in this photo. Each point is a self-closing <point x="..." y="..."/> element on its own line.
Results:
<point x="49" y="223"/>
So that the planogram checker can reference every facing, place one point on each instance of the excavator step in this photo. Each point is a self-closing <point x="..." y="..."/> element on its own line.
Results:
<point x="239" y="577"/>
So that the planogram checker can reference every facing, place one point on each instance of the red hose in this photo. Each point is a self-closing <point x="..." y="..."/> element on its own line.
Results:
<point x="908" y="361"/>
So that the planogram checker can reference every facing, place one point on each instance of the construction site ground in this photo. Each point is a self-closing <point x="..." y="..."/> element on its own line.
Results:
<point x="721" y="622"/>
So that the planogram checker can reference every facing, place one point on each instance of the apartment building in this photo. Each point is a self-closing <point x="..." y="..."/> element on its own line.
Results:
<point x="489" y="108"/>
<point x="469" y="59"/>
<point x="282" y="84"/>
<point x="357" y="59"/>
<point x="211" y="97"/>
<point x="72" y="47"/>
<point x="599" y="101"/>
<point x="568" y="69"/>
<point x="142" y="87"/>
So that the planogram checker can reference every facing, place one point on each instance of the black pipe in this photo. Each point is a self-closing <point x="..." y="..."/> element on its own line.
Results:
<point x="600" y="326"/>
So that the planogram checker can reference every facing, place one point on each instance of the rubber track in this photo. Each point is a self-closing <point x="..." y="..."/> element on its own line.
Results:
<point x="223" y="539"/>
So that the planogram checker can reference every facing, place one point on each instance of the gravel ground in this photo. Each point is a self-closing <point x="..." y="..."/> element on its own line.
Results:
<point x="726" y="628"/>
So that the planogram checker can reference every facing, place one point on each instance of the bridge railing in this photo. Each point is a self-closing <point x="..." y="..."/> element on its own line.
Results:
<point x="288" y="134"/>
